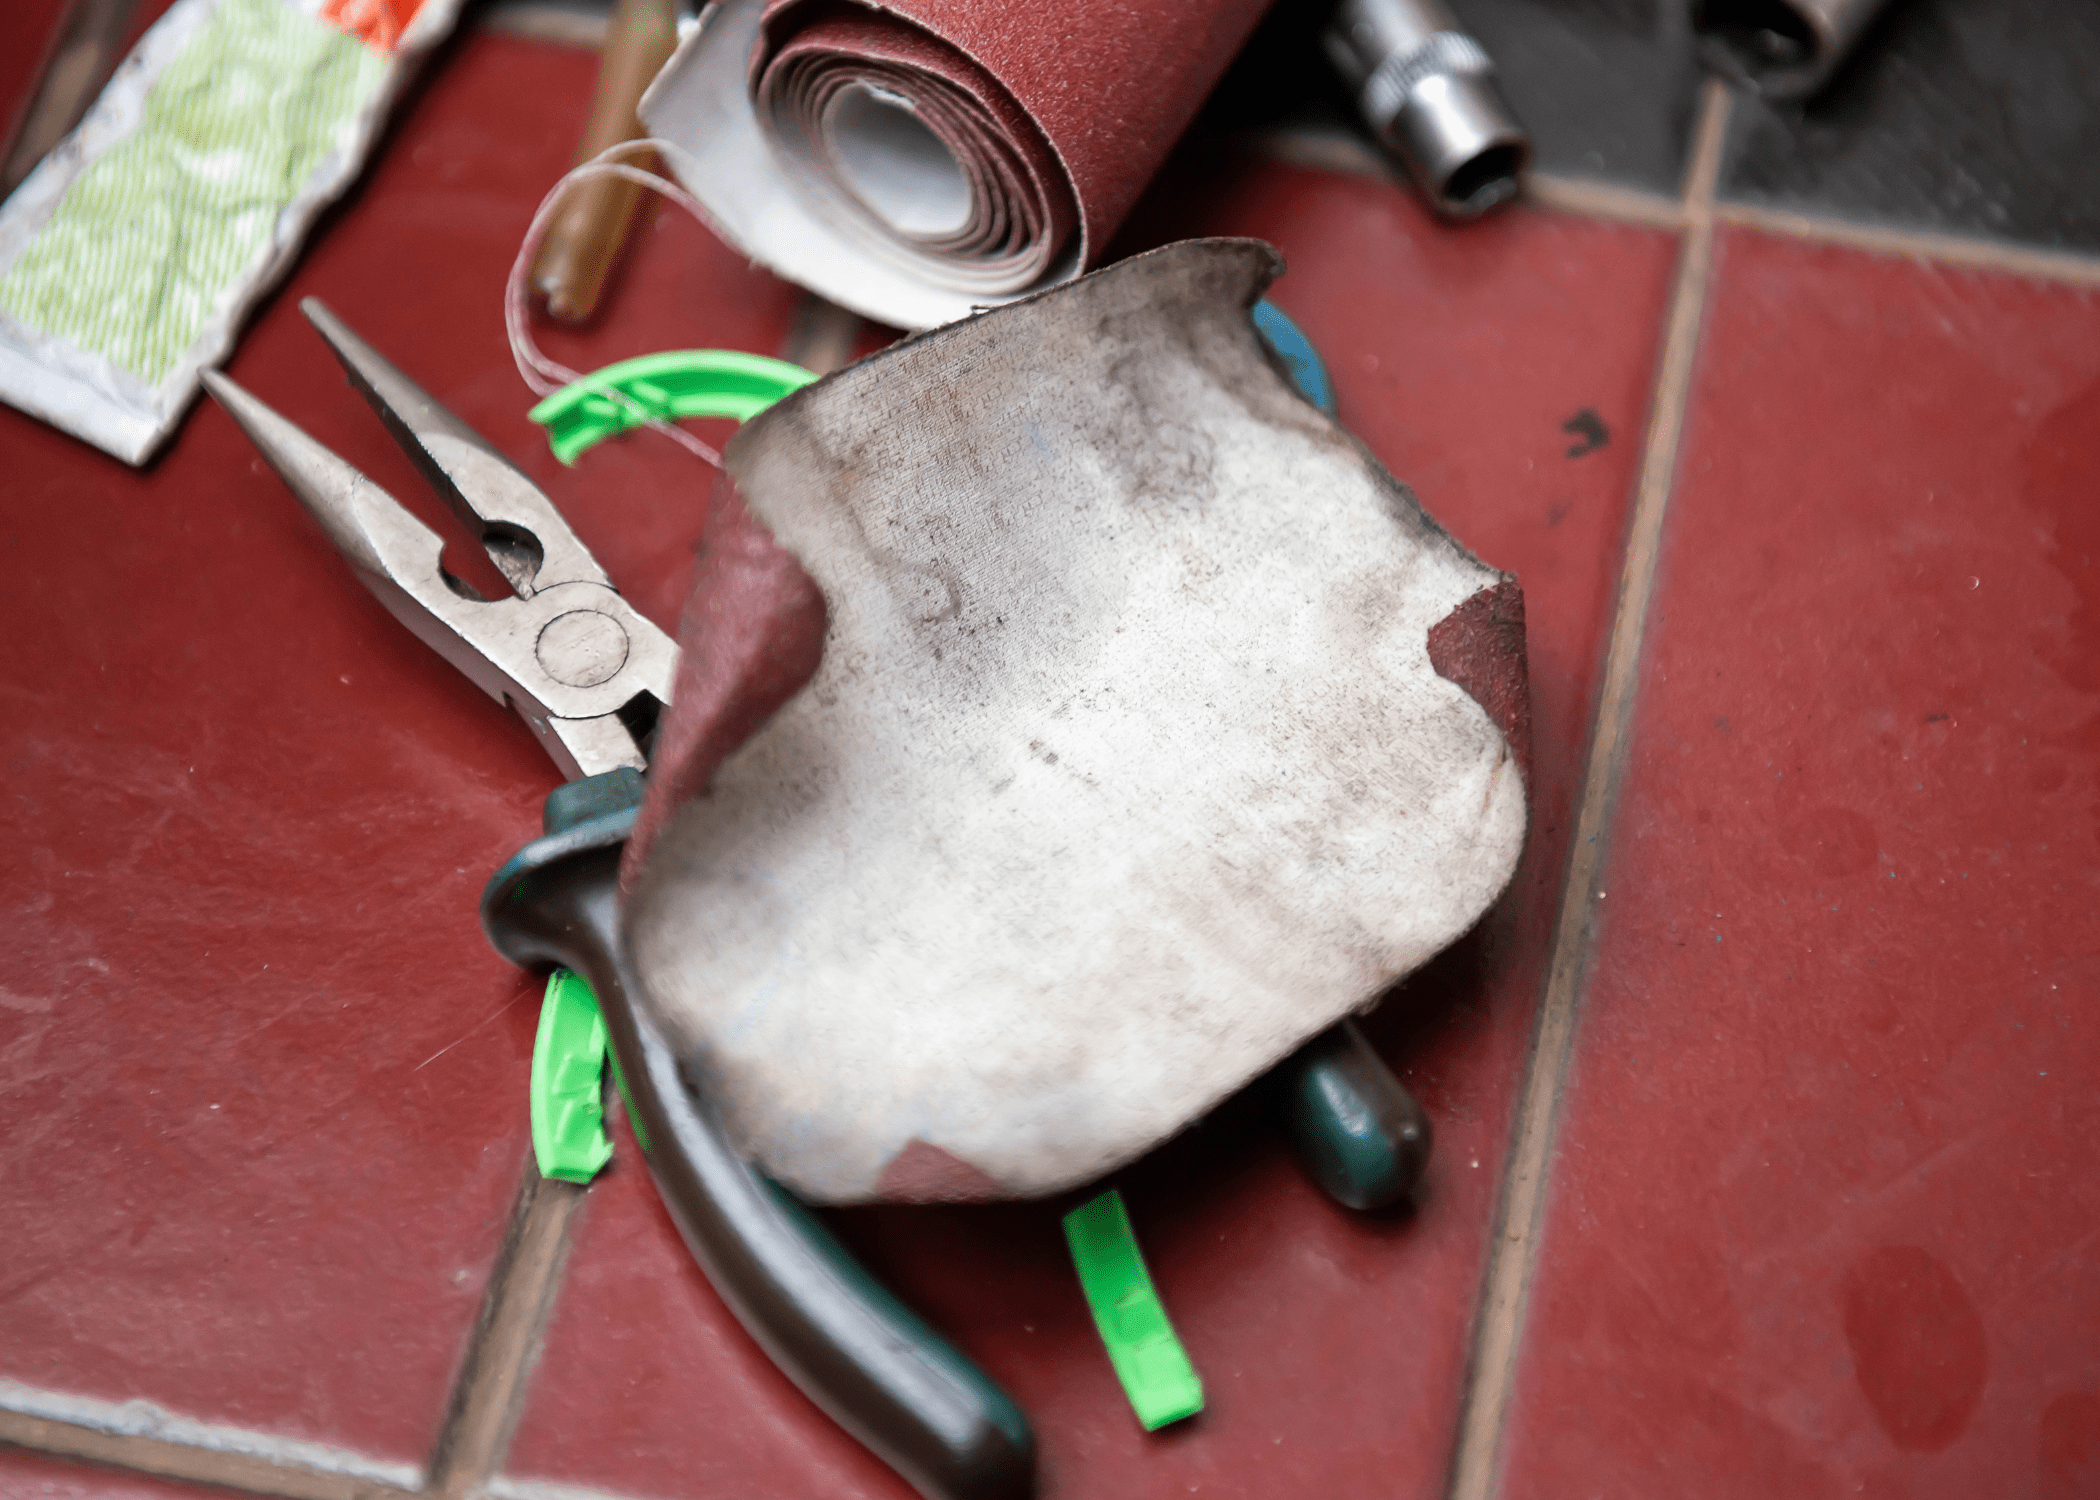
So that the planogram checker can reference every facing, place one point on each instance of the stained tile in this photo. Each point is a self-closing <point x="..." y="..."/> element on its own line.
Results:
<point x="32" y="1476"/>
<point x="1821" y="1219"/>
<point x="1952" y="116"/>
<point x="263" y="1078"/>
<point x="1332" y="1345"/>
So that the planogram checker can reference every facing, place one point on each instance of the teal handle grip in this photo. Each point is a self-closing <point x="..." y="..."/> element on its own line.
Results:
<point x="853" y="1348"/>
<point x="1359" y="1133"/>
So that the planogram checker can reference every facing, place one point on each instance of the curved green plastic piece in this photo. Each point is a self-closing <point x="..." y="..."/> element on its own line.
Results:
<point x="1157" y="1377"/>
<point x="663" y="387"/>
<point x="568" y="1060"/>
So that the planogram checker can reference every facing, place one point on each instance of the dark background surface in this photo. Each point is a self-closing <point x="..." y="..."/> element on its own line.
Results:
<point x="1951" y="115"/>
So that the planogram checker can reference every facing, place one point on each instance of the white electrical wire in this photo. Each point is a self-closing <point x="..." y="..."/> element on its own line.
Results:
<point x="546" y="376"/>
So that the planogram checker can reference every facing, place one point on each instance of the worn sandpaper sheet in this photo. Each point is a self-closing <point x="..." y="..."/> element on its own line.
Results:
<point x="1126" y="766"/>
<point x="914" y="159"/>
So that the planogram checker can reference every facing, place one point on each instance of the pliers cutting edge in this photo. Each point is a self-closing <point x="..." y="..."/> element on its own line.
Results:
<point x="589" y="675"/>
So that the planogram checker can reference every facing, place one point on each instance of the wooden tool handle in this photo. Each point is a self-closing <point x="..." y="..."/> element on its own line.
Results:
<point x="590" y="222"/>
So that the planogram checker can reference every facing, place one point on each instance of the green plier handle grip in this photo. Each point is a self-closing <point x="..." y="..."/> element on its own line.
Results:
<point x="867" y="1359"/>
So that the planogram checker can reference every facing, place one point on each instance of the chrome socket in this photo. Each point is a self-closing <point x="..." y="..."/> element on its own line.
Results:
<point x="1428" y="91"/>
<point x="1784" y="49"/>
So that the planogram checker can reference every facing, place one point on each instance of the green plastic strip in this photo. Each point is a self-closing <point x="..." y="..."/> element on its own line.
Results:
<point x="663" y="387"/>
<point x="568" y="1061"/>
<point x="1162" y="1385"/>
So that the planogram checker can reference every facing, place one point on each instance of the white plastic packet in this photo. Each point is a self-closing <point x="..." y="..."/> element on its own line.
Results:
<point x="129" y="257"/>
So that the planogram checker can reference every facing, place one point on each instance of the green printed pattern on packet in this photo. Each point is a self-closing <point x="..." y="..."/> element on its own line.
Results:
<point x="142" y="246"/>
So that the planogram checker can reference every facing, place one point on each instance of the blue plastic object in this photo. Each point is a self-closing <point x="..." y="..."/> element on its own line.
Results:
<point x="1299" y="357"/>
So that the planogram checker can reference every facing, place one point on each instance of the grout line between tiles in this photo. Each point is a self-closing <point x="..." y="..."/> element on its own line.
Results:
<point x="1941" y="249"/>
<point x="506" y="1338"/>
<point x="1319" y="149"/>
<point x="169" y="1458"/>
<point x="1513" y="1250"/>
<point x="548" y="1489"/>
<point x="1604" y="200"/>
<point x="482" y="1414"/>
<point x="1350" y="155"/>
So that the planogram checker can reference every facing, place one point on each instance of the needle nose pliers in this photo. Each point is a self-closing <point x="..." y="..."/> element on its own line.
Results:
<point x="589" y="675"/>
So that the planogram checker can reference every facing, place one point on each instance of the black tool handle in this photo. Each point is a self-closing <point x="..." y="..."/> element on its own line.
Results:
<point x="1357" y="1129"/>
<point x="853" y="1348"/>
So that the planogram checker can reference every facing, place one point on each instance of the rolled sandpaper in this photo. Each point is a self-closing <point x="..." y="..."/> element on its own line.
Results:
<point x="918" y="160"/>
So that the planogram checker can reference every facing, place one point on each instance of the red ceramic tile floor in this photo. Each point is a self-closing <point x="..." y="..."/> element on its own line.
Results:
<point x="263" y="1079"/>
<point x="1332" y="1346"/>
<point x="1823" y="1216"/>
<point x="31" y="26"/>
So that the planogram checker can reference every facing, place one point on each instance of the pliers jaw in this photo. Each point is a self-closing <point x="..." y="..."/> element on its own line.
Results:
<point x="585" y="670"/>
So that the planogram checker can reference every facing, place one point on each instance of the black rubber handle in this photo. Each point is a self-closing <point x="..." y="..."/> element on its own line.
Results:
<point x="1358" y="1131"/>
<point x="853" y="1348"/>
